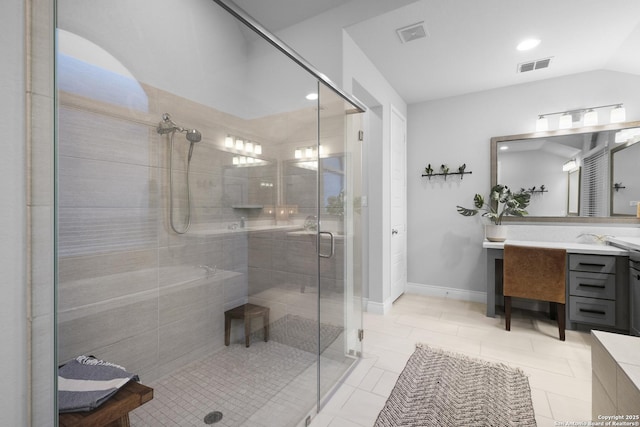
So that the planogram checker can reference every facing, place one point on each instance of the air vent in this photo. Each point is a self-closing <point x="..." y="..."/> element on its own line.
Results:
<point x="412" y="32"/>
<point x="534" y="65"/>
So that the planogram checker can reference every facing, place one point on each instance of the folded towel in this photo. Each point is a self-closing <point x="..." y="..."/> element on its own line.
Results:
<point x="86" y="383"/>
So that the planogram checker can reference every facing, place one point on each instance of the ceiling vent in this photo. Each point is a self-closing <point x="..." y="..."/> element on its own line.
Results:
<point x="534" y="65"/>
<point x="412" y="32"/>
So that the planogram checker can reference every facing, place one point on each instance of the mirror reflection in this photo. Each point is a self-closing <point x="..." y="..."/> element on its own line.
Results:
<point x="590" y="172"/>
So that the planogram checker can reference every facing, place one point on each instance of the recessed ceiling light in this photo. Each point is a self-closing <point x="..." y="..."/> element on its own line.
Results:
<point x="528" y="44"/>
<point x="312" y="96"/>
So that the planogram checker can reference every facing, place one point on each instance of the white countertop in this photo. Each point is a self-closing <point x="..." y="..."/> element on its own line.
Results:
<point x="631" y="243"/>
<point x="575" y="248"/>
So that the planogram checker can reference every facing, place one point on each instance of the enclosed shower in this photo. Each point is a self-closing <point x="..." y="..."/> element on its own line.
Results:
<point x="190" y="190"/>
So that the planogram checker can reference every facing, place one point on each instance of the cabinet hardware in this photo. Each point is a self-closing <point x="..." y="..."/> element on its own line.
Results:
<point x="591" y="264"/>
<point x="586" y="310"/>
<point x="588" y="285"/>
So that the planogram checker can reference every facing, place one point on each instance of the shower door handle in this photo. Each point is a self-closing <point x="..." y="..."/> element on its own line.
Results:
<point x="333" y="244"/>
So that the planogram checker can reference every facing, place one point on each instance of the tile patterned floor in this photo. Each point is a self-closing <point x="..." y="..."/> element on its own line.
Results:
<point x="559" y="372"/>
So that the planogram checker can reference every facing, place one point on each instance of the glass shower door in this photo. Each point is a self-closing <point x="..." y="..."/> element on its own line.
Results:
<point x="340" y="255"/>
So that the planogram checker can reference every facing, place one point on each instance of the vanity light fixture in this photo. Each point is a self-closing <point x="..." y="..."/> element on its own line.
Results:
<point x="590" y="118"/>
<point x="542" y="124"/>
<point x="566" y="121"/>
<point x="618" y="114"/>
<point x="570" y="165"/>
<point x="228" y="141"/>
<point x="241" y="144"/>
<point x="588" y="115"/>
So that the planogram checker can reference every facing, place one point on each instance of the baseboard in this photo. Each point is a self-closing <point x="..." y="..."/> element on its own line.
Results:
<point x="379" y="307"/>
<point x="443" y="292"/>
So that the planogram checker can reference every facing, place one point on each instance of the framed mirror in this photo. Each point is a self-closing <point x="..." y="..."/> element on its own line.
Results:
<point x="574" y="175"/>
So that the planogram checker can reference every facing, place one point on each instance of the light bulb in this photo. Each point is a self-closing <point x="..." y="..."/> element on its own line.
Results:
<point x="248" y="147"/>
<point x="542" y="124"/>
<point x="566" y="121"/>
<point x="590" y="118"/>
<point x="239" y="144"/>
<point x="308" y="152"/>
<point x="618" y="114"/>
<point x="236" y="161"/>
<point x="297" y="153"/>
<point x="228" y="141"/>
<point x="243" y="160"/>
<point x="257" y="149"/>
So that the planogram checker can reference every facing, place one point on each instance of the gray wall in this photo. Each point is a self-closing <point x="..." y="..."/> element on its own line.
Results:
<point x="445" y="248"/>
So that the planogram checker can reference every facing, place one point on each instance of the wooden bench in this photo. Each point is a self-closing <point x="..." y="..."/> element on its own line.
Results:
<point x="114" y="412"/>
<point x="246" y="312"/>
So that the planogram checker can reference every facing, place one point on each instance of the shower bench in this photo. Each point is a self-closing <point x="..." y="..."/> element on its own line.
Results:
<point x="114" y="412"/>
<point x="246" y="312"/>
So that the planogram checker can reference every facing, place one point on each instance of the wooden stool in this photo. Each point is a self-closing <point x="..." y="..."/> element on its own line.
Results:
<point x="112" y="413"/>
<point x="246" y="312"/>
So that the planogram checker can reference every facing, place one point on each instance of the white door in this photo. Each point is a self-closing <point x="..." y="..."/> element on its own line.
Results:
<point x="398" y="246"/>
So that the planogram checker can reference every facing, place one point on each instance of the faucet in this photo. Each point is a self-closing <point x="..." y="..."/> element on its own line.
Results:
<point x="210" y="270"/>
<point x="242" y="221"/>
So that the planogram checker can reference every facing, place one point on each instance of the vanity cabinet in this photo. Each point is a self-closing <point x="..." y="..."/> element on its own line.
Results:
<point x="598" y="290"/>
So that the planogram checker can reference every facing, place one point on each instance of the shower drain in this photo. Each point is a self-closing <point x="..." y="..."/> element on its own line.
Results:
<point x="213" y="417"/>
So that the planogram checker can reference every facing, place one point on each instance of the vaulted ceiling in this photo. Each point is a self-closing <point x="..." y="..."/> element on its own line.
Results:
<point x="470" y="45"/>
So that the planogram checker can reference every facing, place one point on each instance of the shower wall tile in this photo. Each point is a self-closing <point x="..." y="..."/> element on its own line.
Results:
<point x="82" y="330"/>
<point x="261" y="252"/>
<point x="235" y="253"/>
<point x="82" y="292"/>
<point x="178" y="302"/>
<point x="235" y="290"/>
<point x="188" y="256"/>
<point x="41" y="151"/>
<point x="259" y="280"/>
<point x="90" y="267"/>
<point x="198" y="328"/>
<point x="41" y="52"/>
<point x="42" y="269"/>
<point x="138" y="354"/>
<point x="87" y="231"/>
<point x="94" y="183"/>
<point x="90" y="135"/>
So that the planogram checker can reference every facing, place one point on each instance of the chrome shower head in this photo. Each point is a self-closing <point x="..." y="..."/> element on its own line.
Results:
<point x="193" y="135"/>
<point x="166" y="125"/>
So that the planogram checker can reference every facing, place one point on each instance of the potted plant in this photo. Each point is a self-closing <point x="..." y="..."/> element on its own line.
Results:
<point x="502" y="202"/>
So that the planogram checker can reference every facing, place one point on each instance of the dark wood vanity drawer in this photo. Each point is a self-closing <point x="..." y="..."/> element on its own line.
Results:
<point x="593" y="285"/>
<point x="593" y="263"/>
<point x="591" y="310"/>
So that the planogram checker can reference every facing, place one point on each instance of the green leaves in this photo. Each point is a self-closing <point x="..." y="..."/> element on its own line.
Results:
<point x="502" y="203"/>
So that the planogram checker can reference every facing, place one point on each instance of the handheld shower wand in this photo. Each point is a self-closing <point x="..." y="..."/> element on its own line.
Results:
<point x="168" y="126"/>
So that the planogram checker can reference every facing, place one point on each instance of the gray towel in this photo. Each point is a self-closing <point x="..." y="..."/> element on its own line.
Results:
<point x="86" y="383"/>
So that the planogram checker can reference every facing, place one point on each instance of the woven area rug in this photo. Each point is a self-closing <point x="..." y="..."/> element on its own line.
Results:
<point x="300" y="332"/>
<point x="439" y="388"/>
